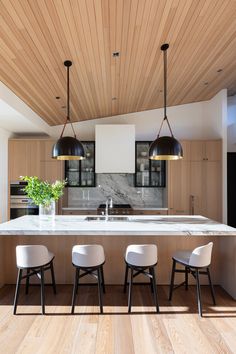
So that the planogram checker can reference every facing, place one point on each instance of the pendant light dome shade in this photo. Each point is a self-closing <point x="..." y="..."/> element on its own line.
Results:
<point x="165" y="148"/>
<point x="68" y="148"/>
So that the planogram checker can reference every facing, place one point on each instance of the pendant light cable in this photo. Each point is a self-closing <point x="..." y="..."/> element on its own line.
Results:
<point x="164" y="48"/>
<point x="68" y="63"/>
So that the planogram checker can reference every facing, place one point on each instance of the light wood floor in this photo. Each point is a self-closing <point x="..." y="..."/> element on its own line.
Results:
<point x="177" y="329"/>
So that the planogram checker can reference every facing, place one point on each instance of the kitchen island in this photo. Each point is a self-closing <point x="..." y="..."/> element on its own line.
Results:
<point x="169" y="233"/>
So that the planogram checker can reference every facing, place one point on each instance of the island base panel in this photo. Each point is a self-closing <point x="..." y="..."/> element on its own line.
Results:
<point x="114" y="246"/>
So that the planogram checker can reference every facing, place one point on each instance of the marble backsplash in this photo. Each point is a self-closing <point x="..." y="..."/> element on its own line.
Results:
<point x="121" y="188"/>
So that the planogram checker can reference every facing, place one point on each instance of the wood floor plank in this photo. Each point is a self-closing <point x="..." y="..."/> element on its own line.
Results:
<point x="176" y="329"/>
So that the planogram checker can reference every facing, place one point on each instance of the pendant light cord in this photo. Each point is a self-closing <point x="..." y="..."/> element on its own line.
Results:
<point x="68" y="105"/>
<point x="164" y="48"/>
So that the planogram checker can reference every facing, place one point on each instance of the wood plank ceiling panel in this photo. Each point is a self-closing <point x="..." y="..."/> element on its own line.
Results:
<point x="37" y="36"/>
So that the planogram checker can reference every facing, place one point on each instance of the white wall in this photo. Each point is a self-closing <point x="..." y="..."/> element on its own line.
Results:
<point x="4" y="135"/>
<point x="231" y="121"/>
<point x="200" y="120"/>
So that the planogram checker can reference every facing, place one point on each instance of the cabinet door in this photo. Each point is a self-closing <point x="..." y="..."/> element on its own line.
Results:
<point x="186" y="146"/>
<point x="212" y="190"/>
<point x="213" y="150"/>
<point x="179" y="187"/>
<point x="196" y="187"/>
<point x="50" y="169"/>
<point x="197" y="150"/>
<point x="23" y="158"/>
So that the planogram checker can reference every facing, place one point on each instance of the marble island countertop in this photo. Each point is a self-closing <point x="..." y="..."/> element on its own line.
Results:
<point x="131" y="225"/>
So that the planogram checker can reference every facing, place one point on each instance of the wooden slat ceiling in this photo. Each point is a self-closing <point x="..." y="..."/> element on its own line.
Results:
<point x="36" y="36"/>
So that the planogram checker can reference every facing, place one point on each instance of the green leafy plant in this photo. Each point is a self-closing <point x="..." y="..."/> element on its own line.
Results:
<point x="43" y="192"/>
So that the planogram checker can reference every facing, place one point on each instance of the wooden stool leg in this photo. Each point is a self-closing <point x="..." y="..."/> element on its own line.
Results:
<point x="154" y="286"/>
<point x="53" y="278"/>
<point x="17" y="290"/>
<point x="130" y="290"/>
<point x="76" y="278"/>
<point x="42" y="290"/>
<point x="211" y="286"/>
<point x="99" y="272"/>
<point x="172" y="280"/>
<point x="198" y="294"/>
<point x="126" y="277"/>
<point x="27" y="282"/>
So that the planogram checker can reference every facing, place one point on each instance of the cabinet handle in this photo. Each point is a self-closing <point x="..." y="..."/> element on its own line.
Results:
<point x="192" y="204"/>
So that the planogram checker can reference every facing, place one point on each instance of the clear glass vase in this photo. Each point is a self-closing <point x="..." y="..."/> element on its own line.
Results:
<point x="47" y="211"/>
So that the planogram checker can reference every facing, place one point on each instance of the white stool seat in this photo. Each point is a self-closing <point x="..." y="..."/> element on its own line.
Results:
<point x="199" y="257"/>
<point x="182" y="256"/>
<point x="88" y="255"/>
<point x="31" y="256"/>
<point x="141" y="255"/>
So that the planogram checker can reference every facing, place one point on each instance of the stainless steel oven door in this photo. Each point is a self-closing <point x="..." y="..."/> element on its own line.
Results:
<point x="16" y="188"/>
<point x="21" y="206"/>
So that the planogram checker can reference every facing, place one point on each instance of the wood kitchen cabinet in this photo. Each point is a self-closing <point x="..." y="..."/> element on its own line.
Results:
<point x="179" y="187"/>
<point x="50" y="169"/>
<point x="24" y="156"/>
<point x="195" y="183"/>
<point x="32" y="157"/>
<point x="205" y="150"/>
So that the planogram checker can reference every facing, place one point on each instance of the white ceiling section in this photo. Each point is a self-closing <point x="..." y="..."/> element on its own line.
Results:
<point x="16" y="117"/>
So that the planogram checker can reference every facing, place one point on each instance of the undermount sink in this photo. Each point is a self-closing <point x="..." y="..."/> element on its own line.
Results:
<point x="110" y="218"/>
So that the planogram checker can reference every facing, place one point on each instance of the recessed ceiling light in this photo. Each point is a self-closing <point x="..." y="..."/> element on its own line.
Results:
<point x="115" y="54"/>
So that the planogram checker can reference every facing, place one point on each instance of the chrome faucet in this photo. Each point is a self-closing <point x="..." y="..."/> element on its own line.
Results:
<point x="109" y="204"/>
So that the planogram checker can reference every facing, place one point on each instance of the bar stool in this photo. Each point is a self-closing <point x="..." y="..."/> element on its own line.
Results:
<point x="90" y="260"/>
<point x="193" y="261"/>
<point x="142" y="259"/>
<point x="35" y="260"/>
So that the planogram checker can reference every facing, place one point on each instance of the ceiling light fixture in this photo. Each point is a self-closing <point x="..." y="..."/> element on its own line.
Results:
<point x="68" y="147"/>
<point x="165" y="147"/>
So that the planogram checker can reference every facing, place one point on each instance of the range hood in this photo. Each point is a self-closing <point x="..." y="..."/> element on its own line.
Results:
<point x="115" y="148"/>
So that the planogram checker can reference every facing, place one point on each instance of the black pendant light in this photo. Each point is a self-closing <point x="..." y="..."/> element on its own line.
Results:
<point x="165" y="147"/>
<point x="68" y="147"/>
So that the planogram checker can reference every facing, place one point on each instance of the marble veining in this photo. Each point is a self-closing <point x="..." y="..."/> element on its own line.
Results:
<point x="121" y="188"/>
<point x="134" y="225"/>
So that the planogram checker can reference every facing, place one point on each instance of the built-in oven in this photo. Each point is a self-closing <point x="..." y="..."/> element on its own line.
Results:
<point x="20" y="204"/>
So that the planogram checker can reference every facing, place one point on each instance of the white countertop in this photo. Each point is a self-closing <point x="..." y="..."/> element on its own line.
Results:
<point x="134" y="225"/>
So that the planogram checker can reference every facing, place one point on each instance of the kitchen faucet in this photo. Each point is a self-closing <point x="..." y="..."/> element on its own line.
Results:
<point x="109" y="204"/>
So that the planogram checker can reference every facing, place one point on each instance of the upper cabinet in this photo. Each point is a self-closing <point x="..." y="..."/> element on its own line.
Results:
<point x="148" y="173"/>
<point x="24" y="156"/>
<point x="209" y="150"/>
<point x="115" y="148"/>
<point x="50" y="169"/>
<point x="32" y="157"/>
<point x="82" y="173"/>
